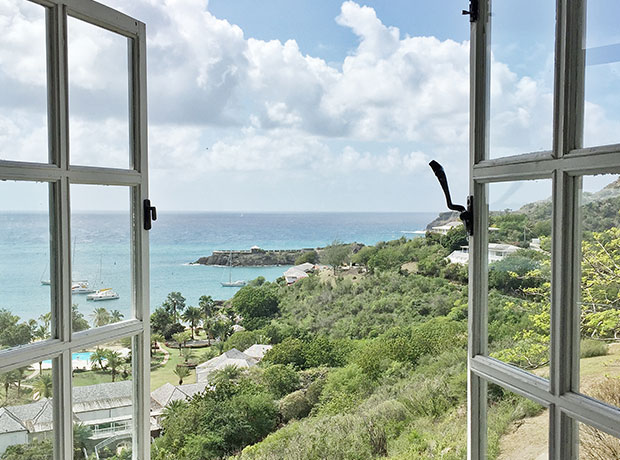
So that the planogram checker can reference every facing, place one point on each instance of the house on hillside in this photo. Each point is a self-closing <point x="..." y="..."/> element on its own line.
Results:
<point x="231" y="357"/>
<point x="497" y="251"/>
<point x="444" y="229"/>
<point x="257" y="351"/>
<point x="297" y="272"/>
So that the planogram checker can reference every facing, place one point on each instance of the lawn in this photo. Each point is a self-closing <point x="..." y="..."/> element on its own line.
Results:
<point x="161" y="375"/>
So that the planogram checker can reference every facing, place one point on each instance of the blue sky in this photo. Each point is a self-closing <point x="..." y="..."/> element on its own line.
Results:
<point x="291" y="105"/>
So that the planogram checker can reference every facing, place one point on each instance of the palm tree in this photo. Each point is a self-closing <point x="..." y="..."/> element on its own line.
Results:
<point x="228" y="373"/>
<point x="43" y="385"/>
<point x="116" y="316"/>
<point x="208" y="325"/>
<point x="8" y="379"/>
<point x="174" y="304"/>
<point x="186" y="353"/>
<point x="42" y="332"/>
<point x="207" y="306"/>
<point x="99" y="356"/>
<point x="19" y="373"/>
<point x="192" y="315"/>
<point x="114" y="362"/>
<point x="81" y="435"/>
<point x="181" y="372"/>
<point x="173" y="408"/>
<point x="155" y="339"/>
<point x="101" y="317"/>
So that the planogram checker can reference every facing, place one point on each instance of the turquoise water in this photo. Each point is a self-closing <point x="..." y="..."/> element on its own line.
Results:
<point x="82" y="356"/>
<point x="101" y="244"/>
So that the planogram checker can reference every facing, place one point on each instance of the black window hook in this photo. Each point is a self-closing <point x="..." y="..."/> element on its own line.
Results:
<point x="466" y="214"/>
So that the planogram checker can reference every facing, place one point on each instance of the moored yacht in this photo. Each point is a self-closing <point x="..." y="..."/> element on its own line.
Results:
<point x="103" y="294"/>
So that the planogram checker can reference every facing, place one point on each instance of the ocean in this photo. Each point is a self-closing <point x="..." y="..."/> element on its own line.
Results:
<point x="101" y="243"/>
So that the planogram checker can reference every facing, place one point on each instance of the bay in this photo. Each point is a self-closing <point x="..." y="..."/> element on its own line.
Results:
<point x="101" y="243"/>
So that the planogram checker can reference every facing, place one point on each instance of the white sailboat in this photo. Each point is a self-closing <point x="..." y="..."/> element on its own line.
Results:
<point x="231" y="283"/>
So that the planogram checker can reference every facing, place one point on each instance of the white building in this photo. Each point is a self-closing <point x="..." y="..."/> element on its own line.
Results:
<point x="444" y="229"/>
<point x="298" y="272"/>
<point x="497" y="251"/>
<point x="257" y="351"/>
<point x="231" y="357"/>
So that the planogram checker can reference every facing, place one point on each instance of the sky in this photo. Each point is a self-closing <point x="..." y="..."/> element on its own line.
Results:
<point x="294" y="105"/>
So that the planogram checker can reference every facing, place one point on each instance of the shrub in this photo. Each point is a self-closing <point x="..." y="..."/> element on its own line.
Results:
<point x="294" y="406"/>
<point x="281" y="379"/>
<point x="595" y="444"/>
<point x="590" y="348"/>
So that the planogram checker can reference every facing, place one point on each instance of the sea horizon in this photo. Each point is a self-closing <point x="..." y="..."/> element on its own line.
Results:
<point x="102" y="253"/>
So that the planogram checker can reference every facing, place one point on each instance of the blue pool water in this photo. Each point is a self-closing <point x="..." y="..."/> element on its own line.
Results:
<point x="82" y="356"/>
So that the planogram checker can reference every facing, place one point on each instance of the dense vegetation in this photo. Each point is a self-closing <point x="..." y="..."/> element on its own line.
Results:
<point x="369" y="359"/>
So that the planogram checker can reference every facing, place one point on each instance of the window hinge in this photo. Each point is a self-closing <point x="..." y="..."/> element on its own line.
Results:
<point x="466" y="214"/>
<point x="150" y="214"/>
<point x="473" y="11"/>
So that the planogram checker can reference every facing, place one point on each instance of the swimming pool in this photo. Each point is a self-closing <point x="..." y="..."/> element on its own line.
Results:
<point x="81" y="356"/>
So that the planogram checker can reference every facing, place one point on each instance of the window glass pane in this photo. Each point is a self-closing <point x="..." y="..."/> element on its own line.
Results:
<point x="26" y="412"/>
<point x="602" y="77"/>
<point x="519" y="258"/>
<point x="101" y="255"/>
<point x="597" y="445"/>
<point x="517" y="428"/>
<point x="24" y="263"/>
<point x="103" y="400"/>
<point x="98" y="96"/>
<point x="600" y="288"/>
<point x="23" y="79"/>
<point x="522" y="47"/>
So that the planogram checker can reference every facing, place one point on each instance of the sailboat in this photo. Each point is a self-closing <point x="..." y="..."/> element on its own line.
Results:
<point x="104" y="293"/>
<point x="231" y="283"/>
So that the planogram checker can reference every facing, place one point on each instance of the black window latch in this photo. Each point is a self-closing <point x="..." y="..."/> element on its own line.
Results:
<point x="466" y="214"/>
<point x="473" y="11"/>
<point x="150" y="214"/>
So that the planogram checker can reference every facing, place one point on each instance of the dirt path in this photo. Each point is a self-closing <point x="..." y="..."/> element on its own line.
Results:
<point x="166" y="355"/>
<point x="527" y="439"/>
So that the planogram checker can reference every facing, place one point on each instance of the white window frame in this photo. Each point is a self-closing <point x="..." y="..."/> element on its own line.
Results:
<point x="60" y="174"/>
<point x="564" y="165"/>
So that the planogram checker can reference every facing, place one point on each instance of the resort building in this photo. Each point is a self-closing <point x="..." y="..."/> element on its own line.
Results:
<point x="496" y="252"/>
<point x="444" y="229"/>
<point x="231" y="357"/>
<point x="257" y="351"/>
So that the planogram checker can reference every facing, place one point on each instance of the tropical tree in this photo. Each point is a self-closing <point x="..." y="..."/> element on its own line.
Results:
<point x="116" y="316"/>
<point x="101" y="317"/>
<point x="186" y="353"/>
<point x="8" y="379"/>
<point x="78" y="323"/>
<point x="336" y="254"/>
<point x="181" y="338"/>
<point x="43" y="385"/>
<point x="115" y="360"/>
<point x="174" y="304"/>
<point x="207" y="306"/>
<point x="98" y="356"/>
<point x="229" y="373"/>
<point x="155" y="340"/>
<point x="181" y="372"/>
<point x="81" y="436"/>
<point x="20" y="374"/>
<point x="192" y="315"/>
<point x="222" y="329"/>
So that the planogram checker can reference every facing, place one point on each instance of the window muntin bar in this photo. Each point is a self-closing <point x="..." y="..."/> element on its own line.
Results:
<point x="60" y="176"/>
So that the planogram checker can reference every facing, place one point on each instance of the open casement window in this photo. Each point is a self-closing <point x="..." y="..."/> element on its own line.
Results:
<point x="571" y="151"/>
<point x="68" y="165"/>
